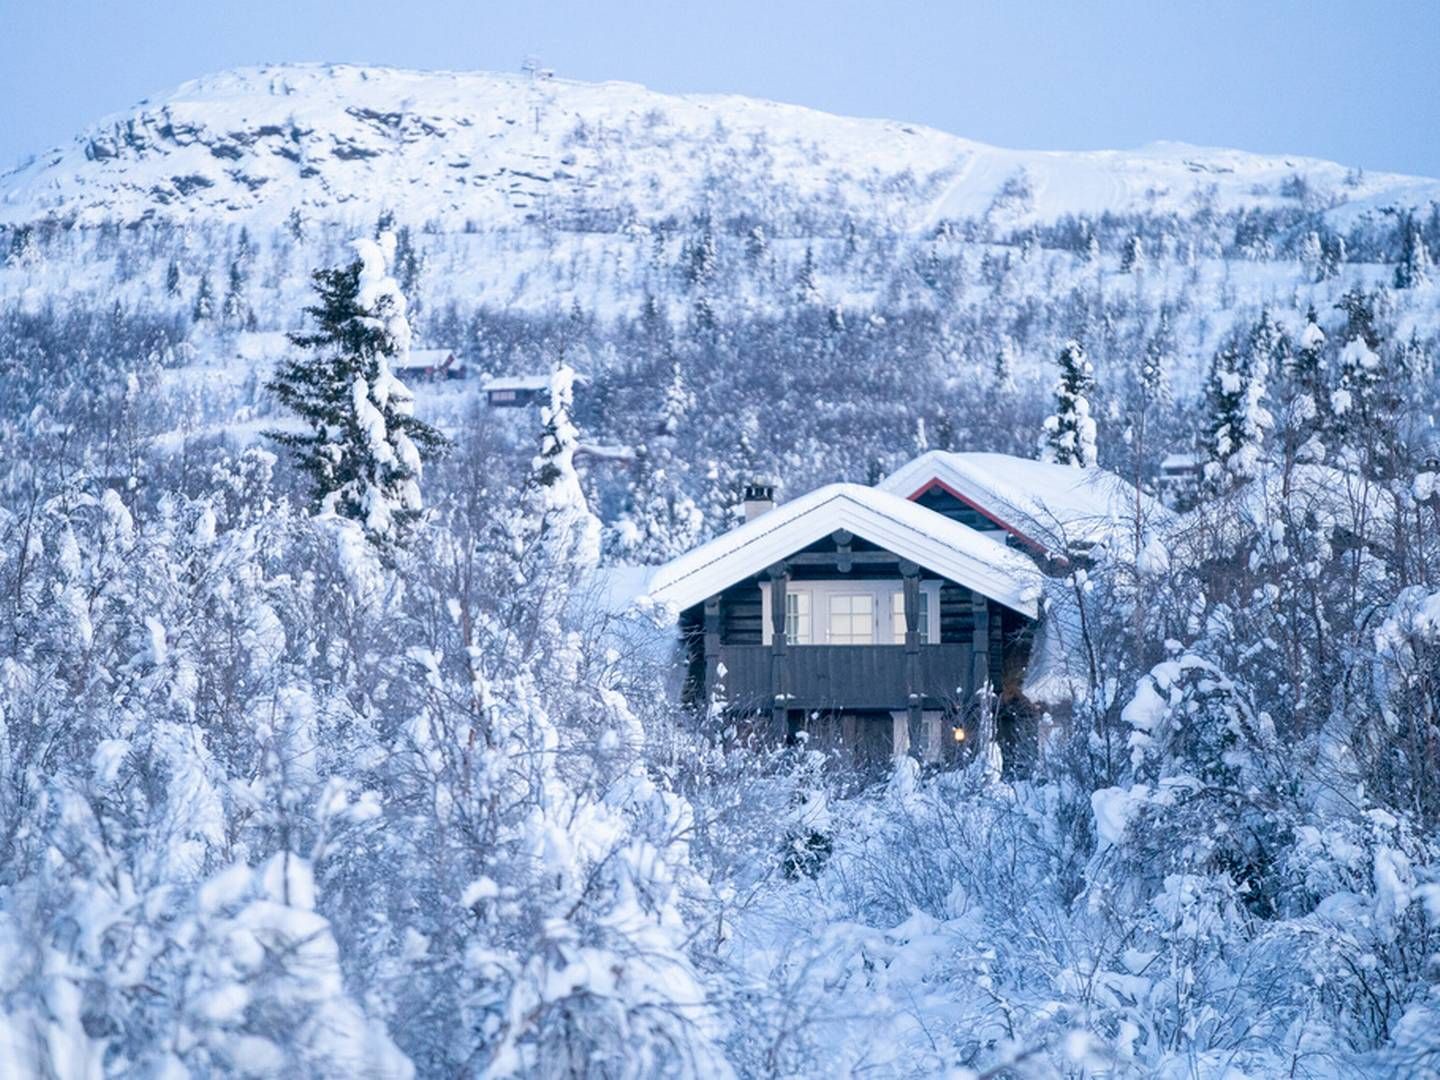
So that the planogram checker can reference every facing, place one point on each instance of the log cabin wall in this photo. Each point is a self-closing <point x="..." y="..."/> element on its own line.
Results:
<point x="742" y="614"/>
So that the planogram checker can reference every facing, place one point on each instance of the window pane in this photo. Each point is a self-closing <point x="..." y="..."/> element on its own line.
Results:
<point x="797" y="618"/>
<point x="852" y="619"/>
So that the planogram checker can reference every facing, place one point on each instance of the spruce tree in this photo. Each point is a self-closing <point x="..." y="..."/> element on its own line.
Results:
<point x="1004" y="368"/>
<point x="1268" y="348"/>
<point x="757" y="246"/>
<point x="1069" y="437"/>
<point x="172" y="279"/>
<point x="1334" y="258"/>
<point x="1132" y="257"/>
<point x="1359" y="375"/>
<point x="1156" y="364"/>
<point x="1413" y="269"/>
<point x="1238" y="418"/>
<point x="232" y="310"/>
<point x="1307" y="413"/>
<point x="204" y="306"/>
<point x="807" y="292"/>
<point x="362" y="449"/>
<point x="1370" y="390"/>
<point x="409" y="265"/>
<point x="1311" y="255"/>
<point x="557" y="529"/>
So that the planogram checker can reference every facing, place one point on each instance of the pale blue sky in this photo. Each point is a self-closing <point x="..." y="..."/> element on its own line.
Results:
<point x="1358" y="82"/>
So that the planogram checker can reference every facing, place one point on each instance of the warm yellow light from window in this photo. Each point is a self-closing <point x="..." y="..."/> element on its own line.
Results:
<point x="959" y="734"/>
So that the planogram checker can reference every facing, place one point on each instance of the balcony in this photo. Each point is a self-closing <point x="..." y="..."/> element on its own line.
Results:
<point x="851" y="677"/>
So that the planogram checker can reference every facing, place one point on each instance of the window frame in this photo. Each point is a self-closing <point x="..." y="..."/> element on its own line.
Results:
<point x="803" y="630"/>
<point x="882" y="589"/>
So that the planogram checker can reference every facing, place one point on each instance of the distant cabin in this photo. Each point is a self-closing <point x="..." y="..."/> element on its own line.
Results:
<point x="871" y="620"/>
<point x="520" y="391"/>
<point x="1179" y="480"/>
<point x="431" y="365"/>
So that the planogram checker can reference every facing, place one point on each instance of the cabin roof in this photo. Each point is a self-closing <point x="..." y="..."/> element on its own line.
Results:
<point x="517" y="382"/>
<point x="1051" y="507"/>
<point x="525" y="382"/>
<point x="429" y="357"/>
<point x="948" y="548"/>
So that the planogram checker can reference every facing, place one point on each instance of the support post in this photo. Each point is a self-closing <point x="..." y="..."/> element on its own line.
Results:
<point x="980" y="678"/>
<point x="779" y="706"/>
<point x="914" y="698"/>
<point x="712" y="647"/>
<point x="844" y="557"/>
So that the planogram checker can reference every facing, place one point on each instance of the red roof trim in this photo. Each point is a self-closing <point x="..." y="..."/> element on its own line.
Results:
<point x="936" y="482"/>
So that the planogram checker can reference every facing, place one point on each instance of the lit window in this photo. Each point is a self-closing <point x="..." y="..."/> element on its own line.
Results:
<point x="797" y="618"/>
<point x="502" y="395"/>
<point x="897" y="616"/>
<point x="852" y="619"/>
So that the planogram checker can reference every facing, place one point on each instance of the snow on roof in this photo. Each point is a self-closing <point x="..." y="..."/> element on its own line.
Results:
<point x="1181" y="461"/>
<point x="525" y="382"/>
<point x="429" y="357"/>
<point x="945" y="547"/>
<point x="1050" y="506"/>
<point x="517" y="382"/>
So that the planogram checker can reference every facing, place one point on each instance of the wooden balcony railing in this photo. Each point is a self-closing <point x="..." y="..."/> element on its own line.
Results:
<point x="846" y="676"/>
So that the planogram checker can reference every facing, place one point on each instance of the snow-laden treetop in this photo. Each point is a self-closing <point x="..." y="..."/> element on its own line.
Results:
<point x="342" y="142"/>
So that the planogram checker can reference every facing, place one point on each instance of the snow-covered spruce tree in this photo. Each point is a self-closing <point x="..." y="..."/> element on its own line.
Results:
<point x="233" y="307"/>
<point x="1132" y="256"/>
<point x="1237" y="417"/>
<point x="1069" y="434"/>
<point x="1368" y="391"/>
<point x="1305" y="397"/>
<point x="1158" y="359"/>
<point x="203" y="309"/>
<point x="1004" y="366"/>
<point x="363" y="447"/>
<point x="1311" y="255"/>
<point x="552" y="540"/>
<point x="1413" y="269"/>
<point x="409" y="266"/>
<point x="807" y="291"/>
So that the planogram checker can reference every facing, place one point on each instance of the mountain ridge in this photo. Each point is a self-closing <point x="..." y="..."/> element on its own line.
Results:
<point x="344" y="141"/>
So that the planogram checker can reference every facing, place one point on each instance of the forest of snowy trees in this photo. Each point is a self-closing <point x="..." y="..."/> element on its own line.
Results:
<point x="325" y="751"/>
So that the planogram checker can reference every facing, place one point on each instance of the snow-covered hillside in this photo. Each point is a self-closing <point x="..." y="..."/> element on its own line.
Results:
<point x="806" y="271"/>
<point x="342" y="143"/>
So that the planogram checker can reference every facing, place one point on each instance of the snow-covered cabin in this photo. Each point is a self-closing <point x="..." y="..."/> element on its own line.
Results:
<point x="516" y="391"/>
<point x="870" y="617"/>
<point x="431" y="365"/>
<point x="1179" y="480"/>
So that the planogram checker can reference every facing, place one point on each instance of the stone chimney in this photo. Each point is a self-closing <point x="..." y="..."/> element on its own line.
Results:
<point x="759" y="497"/>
